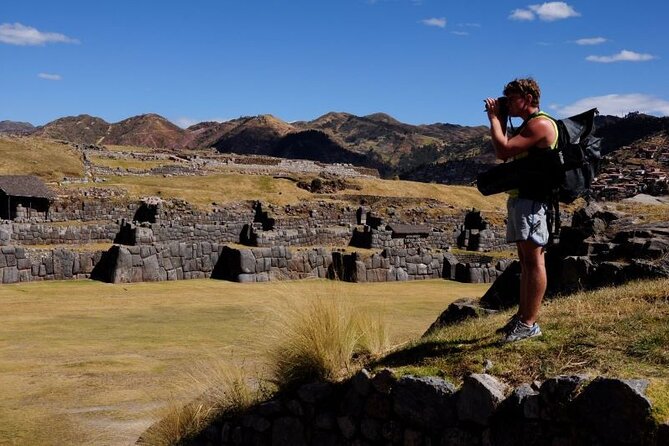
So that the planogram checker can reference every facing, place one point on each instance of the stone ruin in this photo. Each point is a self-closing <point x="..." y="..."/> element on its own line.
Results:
<point x="383" y="409"/>
<point x="600" y="248"/>
<point x="475" y="233"/>
<point x="158" y="240"/>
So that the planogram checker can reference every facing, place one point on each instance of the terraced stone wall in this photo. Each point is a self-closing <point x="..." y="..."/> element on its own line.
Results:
<point x="416" y="411"/>
<point x="51" y="234"/>
<point x="18" y="264"/>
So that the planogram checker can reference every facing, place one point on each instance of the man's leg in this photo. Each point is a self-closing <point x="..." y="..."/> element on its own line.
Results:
<point x="532" y="280"/>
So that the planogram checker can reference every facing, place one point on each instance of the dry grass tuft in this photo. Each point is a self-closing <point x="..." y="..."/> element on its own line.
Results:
<point x="319" y="338"/>
<point x="223" y="389"/>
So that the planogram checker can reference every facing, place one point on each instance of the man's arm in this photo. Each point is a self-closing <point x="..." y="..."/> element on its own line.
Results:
<point x="537" y="133"/>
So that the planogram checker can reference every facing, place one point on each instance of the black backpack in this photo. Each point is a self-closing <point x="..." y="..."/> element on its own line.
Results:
<point x="559" y="175"/>
<point x="580" y="155"/>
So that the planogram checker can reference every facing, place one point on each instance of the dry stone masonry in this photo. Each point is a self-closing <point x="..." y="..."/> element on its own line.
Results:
<point x="383" y="409"/>
<point x="159" y="240"/>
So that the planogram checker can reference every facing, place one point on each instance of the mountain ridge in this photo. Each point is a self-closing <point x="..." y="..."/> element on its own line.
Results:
<point x="441" y="152"/>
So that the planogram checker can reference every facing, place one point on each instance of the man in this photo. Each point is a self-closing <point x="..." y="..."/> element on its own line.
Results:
<point x="526" y="226"/>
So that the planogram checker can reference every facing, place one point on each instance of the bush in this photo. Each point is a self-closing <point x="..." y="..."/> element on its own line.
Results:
<point x="318" y="339"/>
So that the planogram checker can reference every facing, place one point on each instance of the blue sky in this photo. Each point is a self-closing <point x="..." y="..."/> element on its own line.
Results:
<point x="420" y="61"/>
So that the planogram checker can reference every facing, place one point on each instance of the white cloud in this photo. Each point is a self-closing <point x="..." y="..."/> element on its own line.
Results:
<point x="547" y="12"/>
<point x="590" y="41"/>
<point x="435" y="21"/>
<point x="50" y="76"/>
<point x="554" y="11"/>
<point x="521" y="14"/>
<point x="18" y="34"/>
<point x="617" y="104"/>
<point x="623" y="56"/>
<point x="460" y="33"/>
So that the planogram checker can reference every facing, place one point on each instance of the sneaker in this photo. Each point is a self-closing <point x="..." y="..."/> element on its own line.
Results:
<point x="509" y="325"/>
<point x="522" y="331"/>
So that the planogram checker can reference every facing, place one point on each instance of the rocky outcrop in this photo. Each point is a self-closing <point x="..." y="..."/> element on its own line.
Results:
<point x="600" y="248"/>
<point x="386" y="410"/>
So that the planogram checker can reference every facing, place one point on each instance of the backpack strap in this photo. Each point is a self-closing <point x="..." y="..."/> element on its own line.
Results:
<point x="553" y="220"/>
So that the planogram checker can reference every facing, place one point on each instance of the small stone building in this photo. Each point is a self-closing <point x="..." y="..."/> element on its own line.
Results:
<point x="24" y="196"/>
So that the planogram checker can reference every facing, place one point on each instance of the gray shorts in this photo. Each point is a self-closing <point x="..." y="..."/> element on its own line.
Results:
<point x="526" y="221"/>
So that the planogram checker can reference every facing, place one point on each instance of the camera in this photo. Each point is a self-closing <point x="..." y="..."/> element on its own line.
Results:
<point x="502" y="105"/>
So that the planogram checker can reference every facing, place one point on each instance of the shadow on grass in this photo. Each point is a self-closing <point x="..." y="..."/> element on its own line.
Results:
<point x="435" y="349"/>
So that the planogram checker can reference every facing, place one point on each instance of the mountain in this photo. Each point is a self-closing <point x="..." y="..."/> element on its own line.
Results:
<point x="149" y="130"/>
<point x="440" y="152"/>
<point x="634" y="128"/>
<point x="205" y="134"/>
<point x="377" y="140"/>
<point x="253" y="135"/>
<point x="16" y="128"/>
<point x="385" y="136"/>
<point x="82" y="129"/>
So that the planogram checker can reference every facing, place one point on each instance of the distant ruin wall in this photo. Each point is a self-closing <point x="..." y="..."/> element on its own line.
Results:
<point x="193" y="260"/>
<point x="199" y="232"/>
<point x="326" y="236"/>
<point x="49" y="234"/>
<point x="18" y="264"/>
<point x="204" y="259"/>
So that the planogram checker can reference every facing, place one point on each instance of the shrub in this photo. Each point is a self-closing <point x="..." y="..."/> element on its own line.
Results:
<point x="318" y="339"/>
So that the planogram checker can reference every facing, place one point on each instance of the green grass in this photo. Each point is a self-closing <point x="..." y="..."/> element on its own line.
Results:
<point x="619" y="332"/>
<point x="98" y="363"/>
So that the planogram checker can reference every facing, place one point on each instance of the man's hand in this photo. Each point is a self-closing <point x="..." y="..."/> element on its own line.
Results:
<point x="492" y="108"/>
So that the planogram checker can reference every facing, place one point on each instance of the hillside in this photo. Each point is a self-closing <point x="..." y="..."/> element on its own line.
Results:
<point x="439" y="152"/>
<point x="253" y="135"/>
<point x="630" y="130"/>
<point x="82" y="129"/>
<point x="16" y="128"/>
<point x="148" y="130"/>
<point x="36" y="156"/>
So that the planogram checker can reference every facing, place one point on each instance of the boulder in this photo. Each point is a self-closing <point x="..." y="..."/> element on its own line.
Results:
<point x="458" y="311"/>
<point x="616" y="411"/>
<point x="426" y="402"/>
<point x="479" y="397"/>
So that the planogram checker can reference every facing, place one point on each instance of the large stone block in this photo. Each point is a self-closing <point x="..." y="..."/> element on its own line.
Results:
<point x="479" y="397"/>
<point x="615" y="410"/>
<point x="247" y="261"/>
<point x="10" y="274"/>
<point x="427" y="403"/>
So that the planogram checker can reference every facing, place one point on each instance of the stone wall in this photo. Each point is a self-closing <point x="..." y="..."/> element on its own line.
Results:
<point x="305" y="236"/>
<point x="275" y="263"/>
<point x="18" y="264"/>
<point x="413" y="411"/>
<point x="204" y="259"/>
<point x="159" y="262"/>
<point x="197" y="260"/>
<point x="217" y="232"/>
<point x="50" y="234"/>
<point x="91" y="210"/>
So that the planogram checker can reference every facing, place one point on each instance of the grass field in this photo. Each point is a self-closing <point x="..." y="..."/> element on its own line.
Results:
<point x="26" y="156"/>
<point x="84" y="362"/>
